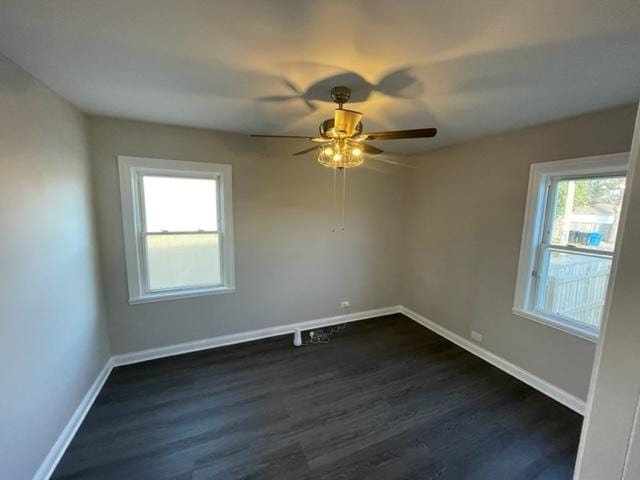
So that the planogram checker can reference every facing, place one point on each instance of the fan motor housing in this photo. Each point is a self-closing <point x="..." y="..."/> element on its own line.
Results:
<point x="340" y="95"/>
<point x="327" y="129"/>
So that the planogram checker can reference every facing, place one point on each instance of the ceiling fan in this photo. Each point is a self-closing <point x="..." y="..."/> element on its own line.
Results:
<point x="342" y="143"/>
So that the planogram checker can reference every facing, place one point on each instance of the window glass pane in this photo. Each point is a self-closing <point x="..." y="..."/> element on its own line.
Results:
<point x="574" y="286"/>
<point x="176" y="204"/>
<point x="587" y="211"/>
<point x="183" y="260"/>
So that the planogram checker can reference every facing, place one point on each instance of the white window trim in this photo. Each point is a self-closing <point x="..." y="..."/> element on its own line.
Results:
<point x="540" y="177"/>
<point x="130" y="168"/>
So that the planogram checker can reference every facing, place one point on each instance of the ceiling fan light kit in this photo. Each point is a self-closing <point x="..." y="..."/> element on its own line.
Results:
<point x="340" y="154"/>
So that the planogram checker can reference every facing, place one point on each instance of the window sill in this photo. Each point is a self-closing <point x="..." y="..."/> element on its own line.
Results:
<point x="162" y="297"/>
<point x="583" y="333"/>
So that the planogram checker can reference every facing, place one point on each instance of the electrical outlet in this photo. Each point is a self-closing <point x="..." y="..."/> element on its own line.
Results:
<point x="476" y="336"/>
<point x="345" y="304"/>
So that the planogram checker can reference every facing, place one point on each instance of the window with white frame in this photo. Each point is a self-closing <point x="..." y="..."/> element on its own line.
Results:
<point x="568" y="242"/>
<point x="178" y="228"/>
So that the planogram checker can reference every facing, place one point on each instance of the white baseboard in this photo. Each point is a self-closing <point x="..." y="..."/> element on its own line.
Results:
<point x="55" y="454"/>
<point x="234" y="338"/>
<point x="571" y="401"/>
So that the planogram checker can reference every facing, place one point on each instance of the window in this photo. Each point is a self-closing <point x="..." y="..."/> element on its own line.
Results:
<point x="568" y="242"/>
<point x="178" y="228"/>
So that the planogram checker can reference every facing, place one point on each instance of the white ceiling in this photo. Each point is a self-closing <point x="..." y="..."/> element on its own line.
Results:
<point x="469" y="67"/>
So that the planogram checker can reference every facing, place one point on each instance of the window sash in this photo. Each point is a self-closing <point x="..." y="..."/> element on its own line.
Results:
<point x="540" y="275"/>
<point x="145" y="263"/>
<point x="142" y="207"/>
<point x="551" y="206"/>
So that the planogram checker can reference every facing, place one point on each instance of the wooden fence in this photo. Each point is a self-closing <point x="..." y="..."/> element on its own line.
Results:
<point x="577" y="289"/>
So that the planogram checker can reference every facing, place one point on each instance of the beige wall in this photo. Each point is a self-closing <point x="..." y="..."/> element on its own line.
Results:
<point x="610" y="446"/>
<point x="53" y="336"/>
<point x="465" y="210"/>
<point x="289" y="266"/>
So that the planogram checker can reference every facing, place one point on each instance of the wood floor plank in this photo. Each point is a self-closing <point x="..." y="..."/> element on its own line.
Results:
<point x="385" y="399"/>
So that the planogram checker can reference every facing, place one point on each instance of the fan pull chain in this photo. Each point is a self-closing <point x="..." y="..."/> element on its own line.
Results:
<point x="344" y="198"/>
<point x="333" y="201"/>
<point x="344" y="193"/>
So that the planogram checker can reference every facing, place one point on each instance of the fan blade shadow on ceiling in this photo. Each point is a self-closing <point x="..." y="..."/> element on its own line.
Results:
<point x="295" y="95"/>
<point x="401" y="83"/>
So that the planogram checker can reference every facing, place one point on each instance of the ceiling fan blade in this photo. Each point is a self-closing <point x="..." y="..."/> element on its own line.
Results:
<point x="313" y="139"/>
<point x="306" y="150"/>
<point x="371" y="150"/>
<point x="400" y="134"/>
<point x="282" y="136"/>
<point x="391" y="162"/>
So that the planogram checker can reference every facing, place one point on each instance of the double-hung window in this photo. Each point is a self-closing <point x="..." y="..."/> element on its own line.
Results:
<point x="568" y="243"/>
<point x="178" y="229"/>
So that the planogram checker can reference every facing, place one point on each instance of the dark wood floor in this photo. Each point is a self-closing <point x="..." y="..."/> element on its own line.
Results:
<point x="385" y="399"/>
